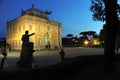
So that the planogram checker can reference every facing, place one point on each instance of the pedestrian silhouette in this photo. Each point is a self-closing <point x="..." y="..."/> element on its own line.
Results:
<point x="4" y="53"/>
<point x="62" y="54"/>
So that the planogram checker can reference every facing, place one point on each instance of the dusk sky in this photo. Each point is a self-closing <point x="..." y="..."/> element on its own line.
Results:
<point x="74" y="15"/>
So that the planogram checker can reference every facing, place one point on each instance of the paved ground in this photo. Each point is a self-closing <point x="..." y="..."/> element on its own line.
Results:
<point x="45" y="58"/>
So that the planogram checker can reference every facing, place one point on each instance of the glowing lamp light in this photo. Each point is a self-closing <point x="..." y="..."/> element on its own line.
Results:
<point x="86" y="42"/>
<point x="73" y="39"/>
<point x="95" y="42"/>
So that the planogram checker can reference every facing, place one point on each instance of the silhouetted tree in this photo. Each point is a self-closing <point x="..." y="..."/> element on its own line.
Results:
<point x="110" y="31"/>
<point x="69" y="35"/>
<point x="101" y="35"/>
<point x="84" y="34"/>
<point x="81" y="40"/>
<point x="98" y="9"/>
<point x="111" y="18"/>
<point x="96" y="36"/>
<point x="91" y="33"/>
<point x="88" y="34"/>
<point x="65" y="41"/>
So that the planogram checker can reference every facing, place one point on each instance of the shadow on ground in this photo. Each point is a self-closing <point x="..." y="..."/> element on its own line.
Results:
<point x="78" y="68"/>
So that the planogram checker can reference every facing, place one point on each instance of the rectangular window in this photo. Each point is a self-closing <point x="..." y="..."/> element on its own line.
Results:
<point x="19" y="28"/>
<point x="23" y="27"/>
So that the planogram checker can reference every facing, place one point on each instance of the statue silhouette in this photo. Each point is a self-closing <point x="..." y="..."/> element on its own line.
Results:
<point x="26" y="55"/>
<point x="25" y="37"/>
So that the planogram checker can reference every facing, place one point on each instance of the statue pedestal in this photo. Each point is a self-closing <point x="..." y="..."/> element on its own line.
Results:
<point x="26" y="56"/>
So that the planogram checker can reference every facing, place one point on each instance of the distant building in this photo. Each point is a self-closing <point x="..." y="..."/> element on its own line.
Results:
<point x="95" y="42"/>
<point x="47" y="32"/>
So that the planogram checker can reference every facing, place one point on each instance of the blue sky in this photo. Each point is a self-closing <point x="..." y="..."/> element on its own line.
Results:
<point x="73" y="14"/>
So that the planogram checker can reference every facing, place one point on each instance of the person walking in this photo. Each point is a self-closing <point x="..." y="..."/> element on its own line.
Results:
<point x="62" y="54"/>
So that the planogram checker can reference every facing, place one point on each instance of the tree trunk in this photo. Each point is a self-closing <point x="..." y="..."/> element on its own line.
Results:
<point x="110" y="32"/>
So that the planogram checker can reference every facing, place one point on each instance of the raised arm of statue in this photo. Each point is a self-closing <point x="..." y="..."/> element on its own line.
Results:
<point x="31" y="34"/>
<point x="25" y="37"/>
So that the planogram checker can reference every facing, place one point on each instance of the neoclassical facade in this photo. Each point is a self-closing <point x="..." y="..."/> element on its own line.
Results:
<point x="48" y="34"/>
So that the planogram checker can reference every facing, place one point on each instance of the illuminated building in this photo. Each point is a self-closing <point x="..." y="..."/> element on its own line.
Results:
<point x="92" y="42"/>
<point x="95" y="42"/>
<point x="47" y="32"/>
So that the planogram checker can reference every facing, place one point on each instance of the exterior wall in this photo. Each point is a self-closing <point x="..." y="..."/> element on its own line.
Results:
<point x="16" y="28"/>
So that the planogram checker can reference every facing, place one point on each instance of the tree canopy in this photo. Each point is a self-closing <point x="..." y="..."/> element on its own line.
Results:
<point x="69" y="35"/>
<point x="98" y="9"/>
<point x="87" y="33"/>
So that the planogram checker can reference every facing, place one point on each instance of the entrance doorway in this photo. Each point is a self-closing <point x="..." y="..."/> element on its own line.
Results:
<point x="47" y="41"/>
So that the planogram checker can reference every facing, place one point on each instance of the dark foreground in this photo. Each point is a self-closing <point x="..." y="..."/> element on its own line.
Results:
<point x="78" y="68"/>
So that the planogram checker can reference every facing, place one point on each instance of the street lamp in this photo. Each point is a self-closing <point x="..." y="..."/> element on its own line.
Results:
<point x="86" y="42"/>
